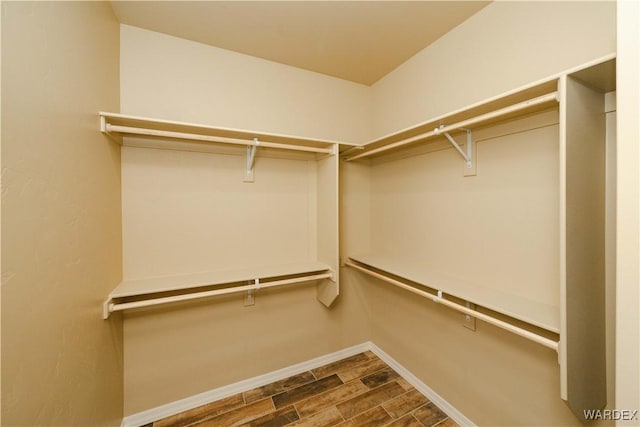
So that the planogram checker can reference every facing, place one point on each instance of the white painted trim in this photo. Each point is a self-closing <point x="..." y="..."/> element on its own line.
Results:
<point x="610" y="102"/>
<point x="439" y="401"/>
<point x="159" y="412"/>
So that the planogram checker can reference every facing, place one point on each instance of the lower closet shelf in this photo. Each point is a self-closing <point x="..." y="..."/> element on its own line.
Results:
<point x="544" y="316"/>
<point x="166" y="289"/>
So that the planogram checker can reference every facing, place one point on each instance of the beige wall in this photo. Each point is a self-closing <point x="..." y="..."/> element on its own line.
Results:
<point x="494" y="378"/>
<point x="61" y="246"/>
<point x="190" y="212"/>
<point x="176" y="79"/>
<point x="62" y="365"/>
<point x="504" y="46"/>
<point x="498" y="230"/>
<point x="491" y="376"/>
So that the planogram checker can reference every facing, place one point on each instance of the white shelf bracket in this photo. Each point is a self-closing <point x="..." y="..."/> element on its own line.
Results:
<point x="106" y="309"/>
<point x="105" y="128"/>
<point x="251" y="157"/>
<point x="468" y="155"/>
<point x="249" y="298"/>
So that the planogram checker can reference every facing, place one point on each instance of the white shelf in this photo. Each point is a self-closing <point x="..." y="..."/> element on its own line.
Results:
<point x="144" y="132"/>
<point x="539" y="97"/>
<point x="545" y="316"/>
<point x="154" y="285"/>
<point x="188" y="133"/>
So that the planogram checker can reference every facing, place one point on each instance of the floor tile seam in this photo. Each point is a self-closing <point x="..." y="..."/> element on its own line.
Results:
<point x="441" y="421"/>
<point x="346" y="400"/>
<point x="284" y="390"/>
<point x="381" y="369"/>
<point x="206" y="417"/>
<point x="394" y="398"/>
<point x="416" y="420"/>
<point x="370" y="410"/>
<point x="404" y="394"/>
<point x="238" y="408"/>
<point x="379" y="385"/>
<point x="368" y="391"/>
<point x="297" y="413"/>
<point x="241" y="423"/>
<point x="334" y="403"/>
<point x="421" y="406"/>
<point x="342" y="418"/>
<point x="393" y="419"/>
<point x="360" y="413"/>
<point x="365" y="375"/>
<point x="418" y="408"/>
<point x="270" y="413"/>
<point x="283" y="409"/>
<point x="298" y="401"/>
<point x="368" y="360"/>
<point x="301" y="385"/>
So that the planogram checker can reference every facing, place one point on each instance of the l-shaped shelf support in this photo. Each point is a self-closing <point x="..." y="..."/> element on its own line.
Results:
<point x="468" y="156"/>
<point x="251" y="157"/>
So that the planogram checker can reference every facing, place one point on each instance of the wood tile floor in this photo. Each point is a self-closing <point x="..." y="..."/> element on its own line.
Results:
<point x="360" y="390"/>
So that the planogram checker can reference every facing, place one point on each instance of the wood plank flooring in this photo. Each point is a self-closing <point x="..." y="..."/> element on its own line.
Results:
<point x="360" y="390"/>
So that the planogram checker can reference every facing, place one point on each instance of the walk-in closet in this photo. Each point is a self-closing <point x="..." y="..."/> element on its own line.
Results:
<point x="320" y="213"/>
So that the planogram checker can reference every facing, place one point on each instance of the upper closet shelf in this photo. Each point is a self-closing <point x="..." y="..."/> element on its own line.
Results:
<point x="114" y="123"/>
<point x="525" y="101"/>
<point x="160" y="290"/>
<point x="545" y="316"/>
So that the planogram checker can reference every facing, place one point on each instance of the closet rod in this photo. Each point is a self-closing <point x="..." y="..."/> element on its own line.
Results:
<point x="206" y="138"/>
<point x="478" y="315"/>
<point x="553" y="96"/>
<point x="256" y="286"/>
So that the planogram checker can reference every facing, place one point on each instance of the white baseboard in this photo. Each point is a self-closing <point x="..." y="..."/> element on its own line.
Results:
<point x="159" y="412"/>
<point x="445" y="406"/>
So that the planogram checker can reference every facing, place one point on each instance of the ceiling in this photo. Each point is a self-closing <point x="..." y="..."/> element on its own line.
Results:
<point x="360" y="41"/>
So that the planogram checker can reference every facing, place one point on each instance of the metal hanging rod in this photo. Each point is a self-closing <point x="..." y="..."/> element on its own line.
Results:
<point x="110" y="128"/>
<point x="553" y="96"/>
<point x="111" y="307"/>
<point x="439" y="299"/>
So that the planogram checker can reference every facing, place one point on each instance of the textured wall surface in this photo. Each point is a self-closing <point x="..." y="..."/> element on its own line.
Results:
<point x="61" y="244"/>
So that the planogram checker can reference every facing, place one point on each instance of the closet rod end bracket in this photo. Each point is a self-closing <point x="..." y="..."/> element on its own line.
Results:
<point x="106" y="308"/>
